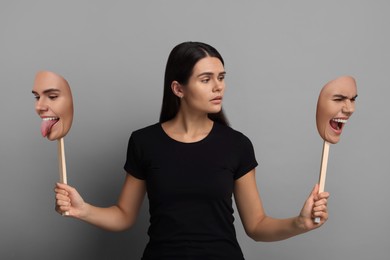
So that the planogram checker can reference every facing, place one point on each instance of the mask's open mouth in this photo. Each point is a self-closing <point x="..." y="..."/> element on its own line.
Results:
<point x="47" y="124"/>
<point x="337" y="123"/>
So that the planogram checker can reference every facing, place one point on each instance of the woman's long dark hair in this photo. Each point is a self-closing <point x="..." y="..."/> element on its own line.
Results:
<point x="180" y="64"/>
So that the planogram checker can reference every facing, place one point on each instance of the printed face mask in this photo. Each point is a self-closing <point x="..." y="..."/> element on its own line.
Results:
<point x="54" y="104"/>
<point x="336" y="103"/>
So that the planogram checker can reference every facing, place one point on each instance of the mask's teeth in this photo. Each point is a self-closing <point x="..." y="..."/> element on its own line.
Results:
<point x="49" y="118"/>
<point x="339" y="120"/>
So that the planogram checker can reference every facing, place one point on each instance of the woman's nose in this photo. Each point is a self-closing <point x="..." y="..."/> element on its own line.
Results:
<point x="219" y="86"/>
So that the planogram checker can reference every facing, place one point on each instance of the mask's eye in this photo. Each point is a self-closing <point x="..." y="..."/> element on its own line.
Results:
<point x="339" y="98"/>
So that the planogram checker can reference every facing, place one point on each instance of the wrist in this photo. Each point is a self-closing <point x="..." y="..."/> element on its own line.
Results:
<point x="299" y="223"/>
<point x="84" y="211"/>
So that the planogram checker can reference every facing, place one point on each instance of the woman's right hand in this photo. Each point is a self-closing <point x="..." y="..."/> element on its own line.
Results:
<point x="68" y="201"/>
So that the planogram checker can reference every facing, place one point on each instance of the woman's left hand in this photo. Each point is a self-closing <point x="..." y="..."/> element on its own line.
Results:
<point x="315" y="206"/>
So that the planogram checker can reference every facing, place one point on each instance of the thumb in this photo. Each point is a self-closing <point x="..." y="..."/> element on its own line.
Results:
<point x="315" y="190"/>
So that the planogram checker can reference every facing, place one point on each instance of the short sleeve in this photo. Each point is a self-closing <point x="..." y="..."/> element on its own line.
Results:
<point x="133" y="163"/>
<point x="246" y="157"/>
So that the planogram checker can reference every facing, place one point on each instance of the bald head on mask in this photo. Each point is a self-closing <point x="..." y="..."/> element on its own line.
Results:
<point x="54" y="104"/>
<point x="336" y="104"/>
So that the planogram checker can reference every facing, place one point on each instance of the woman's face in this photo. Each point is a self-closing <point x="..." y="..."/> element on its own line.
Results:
<point x="204" y="90"/>
<point x="53" y="104"/>
<point x="336" y="104"/>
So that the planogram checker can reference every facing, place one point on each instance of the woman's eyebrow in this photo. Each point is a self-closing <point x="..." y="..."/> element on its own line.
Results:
<point x="210" y="73"/>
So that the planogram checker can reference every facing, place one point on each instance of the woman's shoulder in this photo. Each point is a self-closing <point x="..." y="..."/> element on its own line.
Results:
<point x="147" y="131"/>
<point x="228" y="132"/>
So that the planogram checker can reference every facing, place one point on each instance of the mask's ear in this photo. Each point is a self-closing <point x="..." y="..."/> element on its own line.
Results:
<point x="177" y="89"/>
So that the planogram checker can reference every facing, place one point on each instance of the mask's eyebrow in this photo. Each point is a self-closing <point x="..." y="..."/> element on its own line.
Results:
<point x="46" y="91"/>
<point x="342" y="97"/>
<point x="339" y="96"/>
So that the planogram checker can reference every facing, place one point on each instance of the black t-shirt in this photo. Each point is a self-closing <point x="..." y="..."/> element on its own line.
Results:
<point x="190" y="186"/>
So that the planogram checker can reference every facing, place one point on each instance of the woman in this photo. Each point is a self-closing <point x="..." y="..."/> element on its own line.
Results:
<point x="190" y="164"/>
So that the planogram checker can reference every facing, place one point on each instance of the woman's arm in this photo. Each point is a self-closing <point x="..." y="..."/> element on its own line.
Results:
<point x="260" y="227"/>
<point x="115" y="218"/>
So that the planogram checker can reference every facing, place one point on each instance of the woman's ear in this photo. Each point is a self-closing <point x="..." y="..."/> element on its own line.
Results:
<point x="177" y="89"/>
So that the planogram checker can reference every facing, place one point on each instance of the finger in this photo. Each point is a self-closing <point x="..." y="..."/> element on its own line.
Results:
<point x="63" y="186"/>
<point x="61" y="192"/>
<point x="321" y="208"/>
<point x="320" y="214"/>
<point x="63" y="206"/>
<point x="63" y="202"/>
<point x="314" y="190"/>
<point x="64" y="211"/>
<point x="323" y="195"/>
<point x="321" y="202"/>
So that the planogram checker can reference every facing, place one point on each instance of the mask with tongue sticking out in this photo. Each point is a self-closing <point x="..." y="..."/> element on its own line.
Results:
<point x="47" y="124"/>
<point x="336" y="103"/>
<point x="54" y="104"/>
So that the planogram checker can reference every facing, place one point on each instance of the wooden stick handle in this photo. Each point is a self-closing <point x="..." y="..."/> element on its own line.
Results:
<point x="324" y="165"/>
<point x="62" y="161"/>
<point x="62" y="164"/>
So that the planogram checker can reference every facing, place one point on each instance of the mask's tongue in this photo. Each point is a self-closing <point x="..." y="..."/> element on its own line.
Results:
<point x="46" y="126"/>
<point x="336" y="125"/>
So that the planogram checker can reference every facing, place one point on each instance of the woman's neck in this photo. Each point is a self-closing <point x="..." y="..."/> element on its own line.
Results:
<point x="185" y="128"/>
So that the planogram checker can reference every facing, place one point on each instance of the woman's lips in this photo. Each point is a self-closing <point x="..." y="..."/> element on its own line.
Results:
<point x="216" y="100"/>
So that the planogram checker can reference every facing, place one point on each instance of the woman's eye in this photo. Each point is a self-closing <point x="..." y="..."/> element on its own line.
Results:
<point x="205" y="80"/>
<point x="36" y="97"/>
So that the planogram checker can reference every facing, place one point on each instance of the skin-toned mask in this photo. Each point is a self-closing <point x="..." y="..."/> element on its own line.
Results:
<point x="54" y="104"/>
<point x="336" y="103"/>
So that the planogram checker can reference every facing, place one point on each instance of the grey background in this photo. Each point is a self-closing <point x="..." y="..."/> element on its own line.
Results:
<point x="278" y="56"/>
